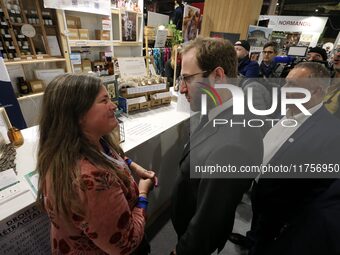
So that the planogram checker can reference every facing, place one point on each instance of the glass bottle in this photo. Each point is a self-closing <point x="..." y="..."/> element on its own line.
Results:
<point x="23" y="86"/>
<point x="109" y="66"/>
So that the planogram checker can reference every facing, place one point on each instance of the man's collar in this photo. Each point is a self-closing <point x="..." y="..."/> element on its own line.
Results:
<point x="214" y="112"/>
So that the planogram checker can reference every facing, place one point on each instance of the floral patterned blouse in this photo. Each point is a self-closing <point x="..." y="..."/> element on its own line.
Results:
<point x="111" y="225"/>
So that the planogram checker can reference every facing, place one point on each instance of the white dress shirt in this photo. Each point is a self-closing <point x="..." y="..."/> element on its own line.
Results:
<point x="279" y="134"/>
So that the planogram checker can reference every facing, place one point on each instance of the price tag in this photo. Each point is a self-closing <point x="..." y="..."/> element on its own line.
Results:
<point x="28" y="30"/>
<point x="40" y="57"/>
<point x="81" y="43"/>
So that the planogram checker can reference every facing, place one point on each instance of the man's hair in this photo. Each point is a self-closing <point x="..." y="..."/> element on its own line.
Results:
<point x="319" y="73"/>
<point x="212" y="53"/>
<point x="179" y="2"/>
<point x="272" y="44"/>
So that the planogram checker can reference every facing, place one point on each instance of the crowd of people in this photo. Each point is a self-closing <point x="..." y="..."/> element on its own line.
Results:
<point x="96" y="207"/>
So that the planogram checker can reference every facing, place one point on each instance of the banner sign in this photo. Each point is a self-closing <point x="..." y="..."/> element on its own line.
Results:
<point x="8" y="99"/>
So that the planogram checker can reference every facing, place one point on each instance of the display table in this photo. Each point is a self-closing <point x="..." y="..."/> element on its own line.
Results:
<point x="154" y="139"/>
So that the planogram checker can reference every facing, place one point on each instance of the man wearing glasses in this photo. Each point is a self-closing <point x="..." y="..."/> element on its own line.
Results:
<point x="268" y="66"/>
<point x="203" y="205"/>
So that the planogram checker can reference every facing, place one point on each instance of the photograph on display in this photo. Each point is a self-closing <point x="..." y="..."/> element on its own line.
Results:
<point x="259" y="36"/>
<point x="305" y="40"/>
<point x="279" y="37"/>
<point x="191" y="22"/>
<point x="292" y="39"/>
<point x="233" y="38"/>
<point x="130" y="5"/>
<point x="129" y="26"/>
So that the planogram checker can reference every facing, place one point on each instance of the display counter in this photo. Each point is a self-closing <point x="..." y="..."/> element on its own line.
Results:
<point x="154" y="139"/>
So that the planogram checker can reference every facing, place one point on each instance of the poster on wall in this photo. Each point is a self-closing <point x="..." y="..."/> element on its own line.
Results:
<point x="233" y="38"/>
<point x="8" y="99"/>
<point x="129" y="26"/>
<point x="132" y="5"/>
<point x="91" y="6"/>
<point x="259" y="36"/>
<point x="191" y="22"/>
<point x="295" y="30"/>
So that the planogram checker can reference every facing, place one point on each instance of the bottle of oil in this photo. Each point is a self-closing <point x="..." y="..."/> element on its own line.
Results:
<point x="23" y="86"/>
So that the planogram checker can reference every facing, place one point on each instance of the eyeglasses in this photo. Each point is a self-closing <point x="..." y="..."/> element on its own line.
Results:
<point x="187" y="79"/>
<point x="267" y="52"/>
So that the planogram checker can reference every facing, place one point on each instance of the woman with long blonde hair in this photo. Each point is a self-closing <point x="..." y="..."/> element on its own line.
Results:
<point x="85" y="185"/>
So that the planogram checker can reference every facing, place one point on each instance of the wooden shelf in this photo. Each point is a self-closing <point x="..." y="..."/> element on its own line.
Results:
<point x="30" y="96"/>
<point x="34" y="61"/>
<point x="89" y="43"/>
<point x="118" y="43"/>
<point x="115" y="11"/>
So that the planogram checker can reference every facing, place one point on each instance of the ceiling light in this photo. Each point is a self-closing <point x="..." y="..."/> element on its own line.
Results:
<point x="316" y="10"/>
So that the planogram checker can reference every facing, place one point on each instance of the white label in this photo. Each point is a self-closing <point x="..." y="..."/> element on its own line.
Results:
<point x="132" y="67"/>
<point x="7" y="36"/>
<point x="161" y="38"/>
<point x="17" y="59"/>
<point x="4" y="23"/>
<point x="137" y="100"/>
<point x="144" y="89"/>
<point x="21" y="36"/>
<point x="81" y="43"/>
<point x="29" y="58"/>
<point x="25" y="47"/>
<point x="162" y="95"/>
<point x="11" y="47"/>
<point x="28" y="30"/>
<point x="40" y="57"/>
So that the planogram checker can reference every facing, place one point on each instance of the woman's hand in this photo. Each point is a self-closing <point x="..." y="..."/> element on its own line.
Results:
<point x="144" y="186"/>
<point x="142" y="173"/>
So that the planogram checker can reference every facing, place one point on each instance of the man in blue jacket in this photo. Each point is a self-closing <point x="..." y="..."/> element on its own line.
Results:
<point x="246" y="67"/>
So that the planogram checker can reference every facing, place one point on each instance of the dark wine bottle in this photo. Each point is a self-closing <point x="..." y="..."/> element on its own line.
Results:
<point x="23" y="86"/>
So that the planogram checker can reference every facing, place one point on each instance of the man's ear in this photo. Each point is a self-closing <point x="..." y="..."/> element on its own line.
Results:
<point x="219" y="74"/>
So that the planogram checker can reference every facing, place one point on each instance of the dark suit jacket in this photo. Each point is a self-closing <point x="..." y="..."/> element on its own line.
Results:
<point x="278" y="202"/>
<point x="248" y="68"/>
<point x="203" y="209"/>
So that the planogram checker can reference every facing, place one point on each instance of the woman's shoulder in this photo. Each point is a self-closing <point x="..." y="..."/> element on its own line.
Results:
<point x="92" y="177"/>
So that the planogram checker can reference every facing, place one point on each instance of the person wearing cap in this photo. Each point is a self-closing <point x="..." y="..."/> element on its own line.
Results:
<point x="317" y="54"/>
<point x="246" y="67"/>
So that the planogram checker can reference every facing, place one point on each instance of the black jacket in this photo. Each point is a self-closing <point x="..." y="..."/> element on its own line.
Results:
<point x="203" y="209"/>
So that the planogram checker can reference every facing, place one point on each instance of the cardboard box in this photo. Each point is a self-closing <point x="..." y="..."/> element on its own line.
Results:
<point x="166" y="100"/>
<point x="145" y="105"/>
<point x="83" y="34"/>
<point x="155" y="102"/>
<point x="37" y="86"/>
<point x="133" y="107"/>
<point x="102" y="35"/>
<point x="86" y="65"/>
<point x="73" y="22"/>
<point x="73" y="34"/>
